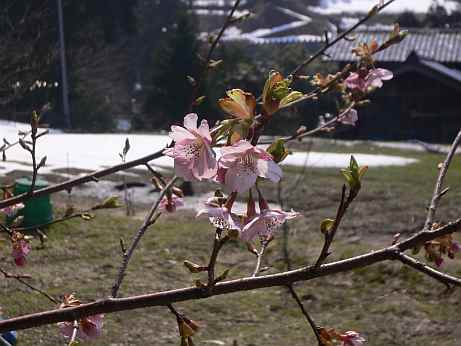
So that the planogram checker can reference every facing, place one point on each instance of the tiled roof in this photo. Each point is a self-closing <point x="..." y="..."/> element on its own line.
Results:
<point x="436" y="45"/>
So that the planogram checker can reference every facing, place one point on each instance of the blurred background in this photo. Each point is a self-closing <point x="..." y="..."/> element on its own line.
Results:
<point x="128" y="61"/>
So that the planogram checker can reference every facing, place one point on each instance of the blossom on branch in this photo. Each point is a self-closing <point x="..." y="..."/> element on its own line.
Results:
<point x="365" y="82"/>
<point x="193" y="157"/>
<point x="21" y="248"/>
<point x="242" y="163"/>
<point x="88" y="327"/>
<point x="348" y="117"/>
<point x="352" y="338"/>
<point x="169" y="204"/>
<point x="220" y="215"/>
<point x="265" y="223"/>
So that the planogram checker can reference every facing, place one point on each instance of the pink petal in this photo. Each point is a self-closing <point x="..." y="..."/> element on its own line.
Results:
<point x="180" y="134"/>
<point x="269" y="170"/>
<point x="190" y="121"/>
<point x="183" y="171"/>
<point x="204" y="130"/>
<point x="240" y="179"/>
<point x="384" y="74"/>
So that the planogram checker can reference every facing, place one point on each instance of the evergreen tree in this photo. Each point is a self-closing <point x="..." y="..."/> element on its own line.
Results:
<point x="169" y="94"/>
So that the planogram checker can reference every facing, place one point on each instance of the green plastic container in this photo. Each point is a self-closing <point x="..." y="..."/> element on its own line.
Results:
<point x="37" y="210"/>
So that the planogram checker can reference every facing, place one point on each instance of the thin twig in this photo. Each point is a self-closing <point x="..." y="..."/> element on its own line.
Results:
<point x="309" y="319"/>
<point x="20" y="278"/>
<point x="148" y="221"/>
<point x="74" y="333"/>
<point x="295" y="73"/>
<point x="259" y="259"/>
<point x="439" y="183"/>
<point x="330" y="234"/>
<point x="444" y="278"/>
<point x="217" y="246"/>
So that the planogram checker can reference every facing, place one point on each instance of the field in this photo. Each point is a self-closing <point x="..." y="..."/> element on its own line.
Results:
<point x="390" y="304"/>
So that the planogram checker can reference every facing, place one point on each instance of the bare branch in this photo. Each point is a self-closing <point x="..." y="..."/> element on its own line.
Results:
<point x="438" y="193"/>
<point x="246" y="284"/>
<point x="20" y="278"/>
<point x="67" y="185"/>
<point x="309" y="319"/>
<point x="148" y="221"/>
<point x="444" y="278"/>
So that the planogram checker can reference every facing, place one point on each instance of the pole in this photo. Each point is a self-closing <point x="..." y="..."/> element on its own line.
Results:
<point x="62" y="55"/>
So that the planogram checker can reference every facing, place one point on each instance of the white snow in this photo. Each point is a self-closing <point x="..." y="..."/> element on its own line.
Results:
<point x="339" y="6"/>
<point x="97" y="151"/>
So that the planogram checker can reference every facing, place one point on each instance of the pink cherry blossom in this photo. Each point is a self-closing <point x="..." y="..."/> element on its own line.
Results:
<point x="349" y="117"/>
<point x="220" y="215"/>
<point x="374" y="79"/>
<point x="265" y="223"/>
<point x="242" y="163"/>
<point x="193" y="157"/>
<point x="354" y="81"/>
<point x="169" y="205"/>
<point x="21" y="248"/>
<point x="88" y="328"/>
<point x="12" y="210"/>
<point x="352" y="338"/>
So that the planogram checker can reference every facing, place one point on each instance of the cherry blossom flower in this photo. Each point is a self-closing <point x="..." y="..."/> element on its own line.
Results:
<point x="349" y="117"/>
<point x="374" y="79"/>
<point x="355" y="81"/>
<point x="220" y="215"/>
<point x="12" y="210"/>
<point x="352" y="338"/>
<point x="169" y="204"/>
<point x="88" y="327"/>
<point x="242" y="163"/>
<point x="265" y="223"/>
<point x="193" y="157"/>
<point x="376" y="76"/>
<point x="21" y="248"/>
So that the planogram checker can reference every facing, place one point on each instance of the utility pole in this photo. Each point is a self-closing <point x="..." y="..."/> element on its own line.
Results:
<point x="62" y="55"/>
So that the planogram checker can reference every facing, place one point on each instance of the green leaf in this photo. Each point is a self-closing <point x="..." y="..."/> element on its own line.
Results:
<point x="290" y="99"/>
<point x="278" y="151"/>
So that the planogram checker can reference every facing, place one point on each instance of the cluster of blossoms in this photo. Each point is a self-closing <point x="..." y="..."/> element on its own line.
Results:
<point x="237" y="169"/>
<point x="20" y="248"/>
<point x="349" y="338"/>
<point x="88" y="328"/>
<point x="436" y="249"/>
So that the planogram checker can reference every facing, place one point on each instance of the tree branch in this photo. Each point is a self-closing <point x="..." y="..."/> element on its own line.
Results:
<point x="309" y="319"/>
<point x="439" y="184"/>
<point x="444" y="278"/>
<point x="246" y="284"/>
<point x="67" y="185"/>
<point x="148" y="221"/>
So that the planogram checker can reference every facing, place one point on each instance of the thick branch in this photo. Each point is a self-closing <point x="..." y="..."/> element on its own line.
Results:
<point x="193" y="293"/>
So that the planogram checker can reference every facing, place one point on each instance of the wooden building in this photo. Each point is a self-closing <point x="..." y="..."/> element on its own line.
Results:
<point x="421" y="102"/>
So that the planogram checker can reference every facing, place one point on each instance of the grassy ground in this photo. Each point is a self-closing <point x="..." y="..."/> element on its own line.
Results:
<point x="390" y="304"/>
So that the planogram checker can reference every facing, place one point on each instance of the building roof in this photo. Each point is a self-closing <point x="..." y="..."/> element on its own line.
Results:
<point x="442" y="46"/>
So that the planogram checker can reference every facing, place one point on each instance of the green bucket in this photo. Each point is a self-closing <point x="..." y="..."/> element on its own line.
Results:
<point x="37" y="210"/>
